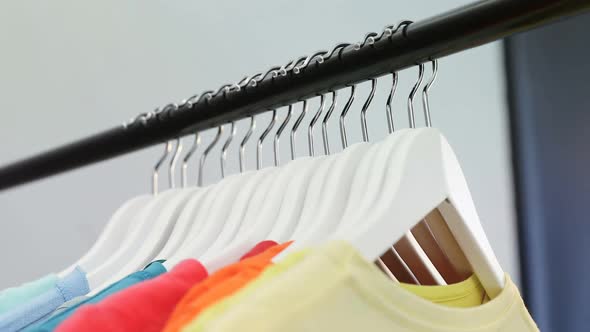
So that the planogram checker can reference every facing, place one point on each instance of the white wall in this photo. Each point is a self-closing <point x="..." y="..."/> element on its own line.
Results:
<point x="70" y="68"/>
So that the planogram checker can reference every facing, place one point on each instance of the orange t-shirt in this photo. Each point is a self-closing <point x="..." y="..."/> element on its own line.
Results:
<point x="219" y="285"/>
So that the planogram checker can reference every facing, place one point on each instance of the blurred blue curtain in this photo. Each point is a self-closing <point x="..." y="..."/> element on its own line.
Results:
<point x="548" y="76"/>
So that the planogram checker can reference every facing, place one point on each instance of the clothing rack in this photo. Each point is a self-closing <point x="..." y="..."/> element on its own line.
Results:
<point x="346" y="64"/>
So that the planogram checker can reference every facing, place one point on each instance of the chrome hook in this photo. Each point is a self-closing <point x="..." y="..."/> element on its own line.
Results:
<point x="295" y="127"/>
<point x="388" y="111"/>
<point x="338" y="47"/>
<point x="190" y="101"/>
<point x="425" y="102"/>
<point x="167" y="150"/>
<point x="283" y="70"/>
<point x="369" y="39"/>
<point x="312" y="124"/>
<point x="412" y="94"/>
<point x="262" y="137"/>
<point x="365" y="131"/>
<point x="223" y="155"/>
<point x="319" y="55"/>
<point x="253" y="81"/>
<point x="243" y="143"/>
<point x="278" y="135"/>
<point x="223" y="89"/>
<point x="325" y="123"/>
<point x="343" y="117"/>
<point x="189" y="154"/>
<point x="197" y="142"/>
<point x="172" y="165"/>
<point x="206" y="153"/>
<point x="273" y="72"/>
<point x="390" y="30"/>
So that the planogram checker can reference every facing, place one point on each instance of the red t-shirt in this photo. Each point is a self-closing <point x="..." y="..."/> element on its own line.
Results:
<point x="145" y="306"/>
<point x="259" y="249"/>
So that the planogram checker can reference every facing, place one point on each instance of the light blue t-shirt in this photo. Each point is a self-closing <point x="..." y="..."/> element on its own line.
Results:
<point x="12" y="297"/>
<point x="67" y="305"/>
<point x="72" y="285"/>
<point x="153" y="270"/>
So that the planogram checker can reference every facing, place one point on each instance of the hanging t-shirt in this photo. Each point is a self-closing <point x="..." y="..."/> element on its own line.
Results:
<point x="142" y="307"/>
<point x="335" y="289"/>
<point x="12" y="297"/>
<point x="219" y="285"/>
<point x="72" y="285"/>
<point x="153" y="270"/>
<point x="68" y="304"/>
<point x="467" y="293"/>
<point x="145" y="306"/>
<point x="211" y="313"/>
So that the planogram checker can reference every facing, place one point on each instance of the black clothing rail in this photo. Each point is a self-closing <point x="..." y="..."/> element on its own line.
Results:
<point x="419" y="42"/>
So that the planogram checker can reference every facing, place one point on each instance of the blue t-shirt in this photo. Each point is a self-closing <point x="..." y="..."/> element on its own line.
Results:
<point x="12" y="297"/>
<point x="41" y="306"/>
<point x="153" y="270"/>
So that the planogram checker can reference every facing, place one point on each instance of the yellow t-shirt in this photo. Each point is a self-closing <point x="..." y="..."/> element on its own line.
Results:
<point x="333" y="288"/>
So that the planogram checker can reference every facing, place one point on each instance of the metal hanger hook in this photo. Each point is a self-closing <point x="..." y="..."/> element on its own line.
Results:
<point x="325" y="123"/>
<point x="337" y="48"/>
<point x="296" y="126"/>
<point x="390" y="30"/>
<point x="345" y="110"/>
<point x="206" y="153"/>
<point x="273" y="120"/>
<point x="187" y="157"/>
<point x="243" y="143"/>
<point x="320" y="59"/>
<point x="388" y="111"/>
<point x="223" y="154"/>
<point x="312" y="125"/>
<point x="415" y="88"/>
<point x="364" y="129"/>
<point x="172" y="165"/>
<point x="278" y="135"/>
<point x="369" y="39"/>
<point x="425" y="103"/>
<point x="167" y="150"/>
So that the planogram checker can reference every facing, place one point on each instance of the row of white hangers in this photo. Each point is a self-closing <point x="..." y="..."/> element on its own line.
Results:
<point x="404" y="196"/>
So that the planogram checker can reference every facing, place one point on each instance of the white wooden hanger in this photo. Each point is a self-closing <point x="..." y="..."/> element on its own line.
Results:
<point x="196" y="214"/>
<point x="185" y="223"/>
<point x="225" y="195"/>
<point x="118" y="228"/>
<point x="192" y="218"/>
<point x="212" y="228"/>
<point x="268" y="208"/>
<point x="127" y="246"/>
<point x="285" y="217"/>
<point x="161" y="221"/>
<point x="313" y="194"/>
<point x="122" y="224"/>
<point x="186" y="219"/>
<point x="294" y="194"/>
<point x="130" y="244"/>
<point x="155" y="239"/>
<point x="257" y="222"/>
<point x="219" y="214"/>
<point x="378" y="162"/>
<point x="425" y="174"/>
<point x="258" y="197"/>
<point x="369" y="188"/>
<point x="109" y="241"/>
<point x="294" y="198"/>
<point x="271" y="206"/>
<point x="214" y="217"/>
